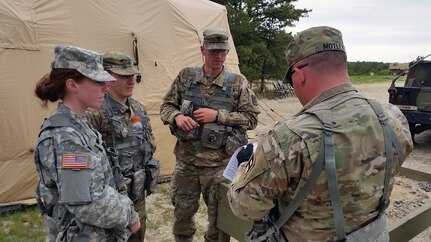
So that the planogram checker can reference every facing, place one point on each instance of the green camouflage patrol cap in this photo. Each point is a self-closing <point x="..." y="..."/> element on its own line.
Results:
<point x="119" y="63"/>
<point x="216" y="39"/>
<point x="312" y="41"/>
<point x="86" y="62"/>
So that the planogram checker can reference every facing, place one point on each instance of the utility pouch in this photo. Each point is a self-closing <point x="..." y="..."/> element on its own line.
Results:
<point x="213" y="135"/>
<point x="374" y="231"/>
<point x="236" y="139"/>
<point x="138" y="185"/>
<point x="123" y="184"/>
<point x="77" y="231"/>
<point x="182" y="135"/>
<point x="264" y="230"/>
<point x="152" y="170"/>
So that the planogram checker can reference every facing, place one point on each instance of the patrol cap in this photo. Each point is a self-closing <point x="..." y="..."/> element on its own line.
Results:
<point x="86" y="62"/>
<point x="216" y="39"/>
<point x="312" y="41"/>
<point x="119" y="63"/>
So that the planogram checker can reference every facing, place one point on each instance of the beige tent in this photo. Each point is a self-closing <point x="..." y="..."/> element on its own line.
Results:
<point x="167" y="35"/>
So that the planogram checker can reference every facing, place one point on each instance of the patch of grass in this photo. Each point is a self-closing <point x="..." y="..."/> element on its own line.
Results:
<point x="27" y="225"/>
<point x="23" y="225"/>
<point x="370" y="79"/>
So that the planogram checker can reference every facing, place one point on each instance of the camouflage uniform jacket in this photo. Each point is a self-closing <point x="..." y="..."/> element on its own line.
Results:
<point x="75" y="174"/>
<point x="283" y="161"/>
<point x="100" y="120"/>
<point x="244" y="115"/>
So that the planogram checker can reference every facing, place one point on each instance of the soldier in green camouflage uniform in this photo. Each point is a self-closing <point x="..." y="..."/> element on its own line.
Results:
<point x="76" y="191"/>
<point x="114" y="121"/>
<point x="209" y="110"/>
<point x="283" y="160"/>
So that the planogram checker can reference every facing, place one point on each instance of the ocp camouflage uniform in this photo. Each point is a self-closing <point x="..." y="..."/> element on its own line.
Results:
<point x="113" y="121"/>
<point x="199" y="169"/>
<point x="76" y="191"/>
<point x="284" y="159"/>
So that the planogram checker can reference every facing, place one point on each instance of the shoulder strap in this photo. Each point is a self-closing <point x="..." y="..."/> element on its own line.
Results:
<point x="193" y="76"/>
<point x="315" y="173"/>
<point x="297" y="200"/>
<point x="331" y="173"/>
<point x="57" y="120"/>
<point x="390" y="139"/>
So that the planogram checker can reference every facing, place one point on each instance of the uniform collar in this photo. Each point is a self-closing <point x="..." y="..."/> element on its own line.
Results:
<point x="219" y="80"/>
<point x="124" y="107"/>
<point x="65" y="109"/>
<point x="346" y="87"/>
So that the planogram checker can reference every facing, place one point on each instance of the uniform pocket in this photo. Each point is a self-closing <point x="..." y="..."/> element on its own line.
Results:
<point x="75" y="187"/>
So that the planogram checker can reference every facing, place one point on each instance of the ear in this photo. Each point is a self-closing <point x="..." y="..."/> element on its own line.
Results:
<point x="202" y="49"/>
<point x="300" y="79"/>
<point x="71" y="85"/>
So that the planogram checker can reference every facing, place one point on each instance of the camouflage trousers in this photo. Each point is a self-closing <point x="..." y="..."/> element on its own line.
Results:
<point x="140" y="208"/>
<point x="188" y="182"/>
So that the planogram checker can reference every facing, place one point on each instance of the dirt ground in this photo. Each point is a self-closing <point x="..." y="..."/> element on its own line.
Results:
<point x="406" y="197"/>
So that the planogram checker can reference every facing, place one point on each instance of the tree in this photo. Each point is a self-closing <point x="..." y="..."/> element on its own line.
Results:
<point x="258" y="29"/>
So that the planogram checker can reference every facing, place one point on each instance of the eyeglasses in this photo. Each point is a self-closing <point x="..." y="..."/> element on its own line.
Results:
<point x="291" y="71"/>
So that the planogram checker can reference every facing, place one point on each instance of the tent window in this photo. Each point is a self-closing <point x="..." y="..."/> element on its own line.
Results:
<point x="18" y="25"/>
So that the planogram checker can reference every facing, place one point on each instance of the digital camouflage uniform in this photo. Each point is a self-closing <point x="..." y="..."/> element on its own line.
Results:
<point x="199" y="169"/>
<point x="76" y="184"/>
<point x="76" y="192"/>
<point x="284" y="158"/>
<point x="113" y="121"/>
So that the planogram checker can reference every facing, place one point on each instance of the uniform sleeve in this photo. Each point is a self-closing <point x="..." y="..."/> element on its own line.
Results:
<point x="172" y="100"/>
<point x="258" y="182"/>
<point x="247" y="107"/>
<point x="400" y="125"/>
<point x="84" y="191"/>
<point x="275" y="172"/>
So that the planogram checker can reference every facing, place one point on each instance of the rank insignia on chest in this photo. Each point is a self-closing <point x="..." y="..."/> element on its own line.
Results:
<point x="74" y="161"/>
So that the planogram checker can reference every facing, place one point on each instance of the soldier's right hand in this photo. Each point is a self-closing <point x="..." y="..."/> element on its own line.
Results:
<point x="136" y="227"/>
<point x="185" y="123"/>
<point x="244" y="154"/>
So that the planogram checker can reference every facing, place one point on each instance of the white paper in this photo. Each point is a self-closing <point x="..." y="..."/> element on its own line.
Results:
<point x="232" y="166"/>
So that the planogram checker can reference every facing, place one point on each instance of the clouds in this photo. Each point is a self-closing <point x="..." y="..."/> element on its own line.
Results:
<point x="383" y="30"/>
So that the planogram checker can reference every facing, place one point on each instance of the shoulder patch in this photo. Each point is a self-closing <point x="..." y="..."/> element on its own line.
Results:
<point x="74" y="161"/>
<point x="254" y="100"/>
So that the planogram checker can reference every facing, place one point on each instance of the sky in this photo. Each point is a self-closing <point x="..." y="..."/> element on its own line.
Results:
<point x="374" y="30"/>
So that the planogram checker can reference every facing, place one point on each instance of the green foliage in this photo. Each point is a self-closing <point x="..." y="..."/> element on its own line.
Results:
<point x="371" y="79"/>
<point x="258" y="29"/>
<point x="365" y="68"/>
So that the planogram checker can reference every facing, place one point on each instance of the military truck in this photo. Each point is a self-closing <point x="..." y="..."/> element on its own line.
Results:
<point x="414" y="98"/>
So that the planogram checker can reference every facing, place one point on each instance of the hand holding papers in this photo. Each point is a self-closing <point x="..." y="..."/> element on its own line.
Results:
<point x="232" y="166"/>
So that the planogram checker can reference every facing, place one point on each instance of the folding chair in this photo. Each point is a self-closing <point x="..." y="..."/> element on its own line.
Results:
<point x="278" y="91"/>
<point x="287" y="88"/>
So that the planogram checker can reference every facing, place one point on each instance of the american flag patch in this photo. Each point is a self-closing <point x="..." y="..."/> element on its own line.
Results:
<point x="74" y="161"/>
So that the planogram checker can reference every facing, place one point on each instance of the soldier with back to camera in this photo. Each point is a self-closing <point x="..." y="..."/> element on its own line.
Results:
<point x="209" y="110"/>
<point x="327" y="173"/>
<point x="125" y="126"/>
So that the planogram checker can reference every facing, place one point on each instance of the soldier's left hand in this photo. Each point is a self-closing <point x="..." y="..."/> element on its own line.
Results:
<point x="205" y="115"/>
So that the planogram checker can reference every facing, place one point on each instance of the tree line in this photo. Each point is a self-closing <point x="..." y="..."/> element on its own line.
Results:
<point x="258" y="28"/>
